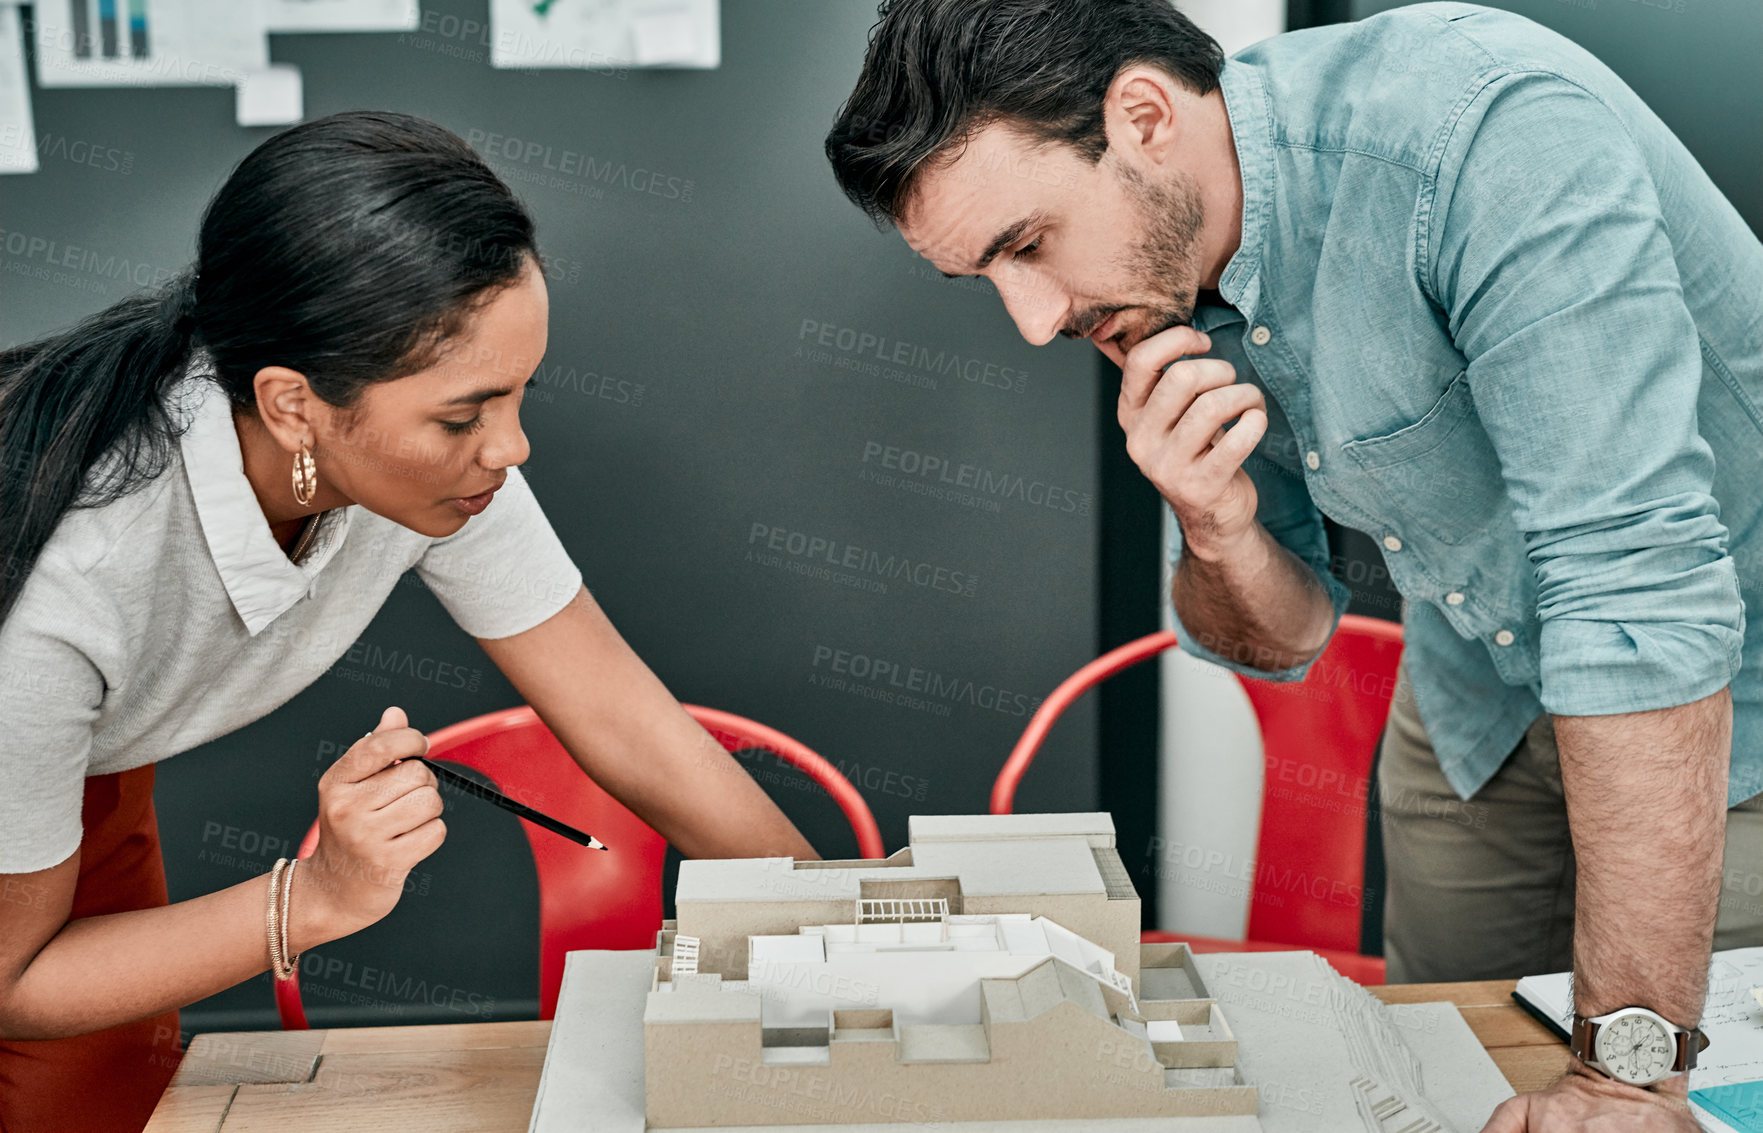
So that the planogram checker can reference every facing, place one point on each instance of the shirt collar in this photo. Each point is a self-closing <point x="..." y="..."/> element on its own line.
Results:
<point x="1251" y="128"/>
<point x="258" y="575"/>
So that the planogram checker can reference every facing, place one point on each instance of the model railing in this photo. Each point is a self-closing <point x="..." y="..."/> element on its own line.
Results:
<point x="685" y="956"/>
<point x="901" y="910"/>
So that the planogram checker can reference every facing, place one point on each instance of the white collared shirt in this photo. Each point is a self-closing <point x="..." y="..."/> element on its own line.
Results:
<point x="171" y="616"/>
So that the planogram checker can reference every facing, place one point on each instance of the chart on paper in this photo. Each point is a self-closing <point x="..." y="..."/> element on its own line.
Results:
<point x="149" y="42"/>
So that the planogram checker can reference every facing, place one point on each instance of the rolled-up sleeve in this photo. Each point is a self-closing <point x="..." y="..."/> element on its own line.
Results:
<point x="505" y="571"/>
<point x="1549" y="255"/>
<point x="1284" y="507"/>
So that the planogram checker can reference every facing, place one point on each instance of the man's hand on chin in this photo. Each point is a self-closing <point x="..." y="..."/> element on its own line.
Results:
<point x="1587" y="1102"/>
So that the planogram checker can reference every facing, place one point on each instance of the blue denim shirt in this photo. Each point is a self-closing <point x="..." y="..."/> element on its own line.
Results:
<point x="1507" y="326"/>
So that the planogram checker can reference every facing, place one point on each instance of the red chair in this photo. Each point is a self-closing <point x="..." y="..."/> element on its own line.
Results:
<point x="1319" y="736"/>
<point x="591" y="899"/>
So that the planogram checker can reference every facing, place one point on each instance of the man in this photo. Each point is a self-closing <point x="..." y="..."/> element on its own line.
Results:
<point x="1441" y="276"/>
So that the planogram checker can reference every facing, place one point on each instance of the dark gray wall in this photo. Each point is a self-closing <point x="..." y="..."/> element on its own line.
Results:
<point x="686" y="400"/>
<point x="1695" y="62"/>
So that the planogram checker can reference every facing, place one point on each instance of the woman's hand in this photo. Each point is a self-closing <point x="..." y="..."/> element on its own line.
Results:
<point x="377" y="817"/>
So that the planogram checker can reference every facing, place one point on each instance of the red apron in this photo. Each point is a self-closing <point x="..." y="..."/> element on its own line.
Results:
<point x="107" y="1081"/>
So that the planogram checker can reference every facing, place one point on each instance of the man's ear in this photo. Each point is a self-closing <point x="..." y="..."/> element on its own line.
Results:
<point x="1142" y="114"/>
<point x="287" y="407"/>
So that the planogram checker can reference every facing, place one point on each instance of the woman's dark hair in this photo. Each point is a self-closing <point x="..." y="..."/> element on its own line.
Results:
<point x="348" y="249"/>
<point x="938" y="70"/>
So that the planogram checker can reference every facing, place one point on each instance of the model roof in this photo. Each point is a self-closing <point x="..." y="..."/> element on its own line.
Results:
<point x="991" y="854"/>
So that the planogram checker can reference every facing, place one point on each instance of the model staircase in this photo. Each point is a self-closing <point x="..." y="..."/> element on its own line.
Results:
<point x="685" y="956"/>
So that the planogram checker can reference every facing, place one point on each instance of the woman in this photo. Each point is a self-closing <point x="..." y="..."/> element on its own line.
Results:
<point x="207" y="496"/>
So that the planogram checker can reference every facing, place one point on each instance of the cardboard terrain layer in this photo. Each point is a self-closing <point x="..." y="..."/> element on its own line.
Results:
<point x="989" y="976"/>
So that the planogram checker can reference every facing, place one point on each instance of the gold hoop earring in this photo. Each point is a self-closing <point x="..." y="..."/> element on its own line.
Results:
<point x="305" y="477"/>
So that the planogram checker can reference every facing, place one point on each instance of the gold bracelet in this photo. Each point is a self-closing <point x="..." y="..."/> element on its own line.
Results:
<point x="271" y="914"/>
<point x="286" y="968"/>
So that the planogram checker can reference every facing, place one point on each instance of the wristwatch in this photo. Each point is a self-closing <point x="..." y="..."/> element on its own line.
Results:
<point x="1635" y="1045"/>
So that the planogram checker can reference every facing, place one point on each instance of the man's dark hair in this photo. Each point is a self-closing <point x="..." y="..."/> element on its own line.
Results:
<point x="938" y="70"/>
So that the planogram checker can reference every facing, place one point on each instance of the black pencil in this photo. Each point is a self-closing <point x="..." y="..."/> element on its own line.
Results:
<point x="490" y="795"/>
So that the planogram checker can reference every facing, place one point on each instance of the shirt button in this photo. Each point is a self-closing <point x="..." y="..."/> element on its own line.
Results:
<point x="1392" y="543"/>
<point x="1312" y="461"/>
<point x="1454" y="598"/>
<point x="1261" y="336"/>
<point x="1504" y="637"/>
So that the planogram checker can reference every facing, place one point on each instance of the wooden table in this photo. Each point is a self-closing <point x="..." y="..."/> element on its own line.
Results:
<point x="482" y="1077"/>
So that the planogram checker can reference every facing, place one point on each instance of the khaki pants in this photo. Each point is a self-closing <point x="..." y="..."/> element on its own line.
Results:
<point x="1483" y="889"/>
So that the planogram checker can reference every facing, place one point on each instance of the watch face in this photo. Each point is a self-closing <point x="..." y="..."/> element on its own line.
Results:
<point x="1636" y="1048"/>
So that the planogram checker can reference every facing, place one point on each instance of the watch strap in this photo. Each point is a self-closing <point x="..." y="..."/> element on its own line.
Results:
<point x="1690" y="1043"/>
<point x="1585" y="1034"/>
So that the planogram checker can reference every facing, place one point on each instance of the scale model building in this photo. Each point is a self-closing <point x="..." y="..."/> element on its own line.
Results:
<point x="991" y="970"/>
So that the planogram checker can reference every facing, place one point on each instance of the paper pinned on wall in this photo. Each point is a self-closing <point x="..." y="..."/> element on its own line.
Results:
<point x="605" y="33"/>
<point x="270" y="97"/>
<point x="159" y="43"/>
<point x="664" y="37"/>
<point x="18" y="134"/>
<point x="344" y="15"/>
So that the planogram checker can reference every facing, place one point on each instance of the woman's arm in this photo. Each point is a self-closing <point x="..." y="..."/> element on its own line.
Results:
<point x="60" y="978"/>
<point x="616" y="719"/>
<point x="377" y="819"/>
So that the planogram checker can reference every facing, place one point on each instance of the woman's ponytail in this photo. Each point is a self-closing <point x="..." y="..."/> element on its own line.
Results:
<point x="95" y="390"/>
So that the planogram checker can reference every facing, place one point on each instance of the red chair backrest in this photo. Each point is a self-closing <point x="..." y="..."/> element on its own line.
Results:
<point x="1319" y="737"/>
<point x="1322" y="733"/>
<point x="590" y="899"/>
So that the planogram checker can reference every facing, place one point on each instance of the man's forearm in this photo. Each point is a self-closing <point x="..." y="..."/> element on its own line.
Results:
<point x="1257" y="604"/>
<point x="1646" y="801"/>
